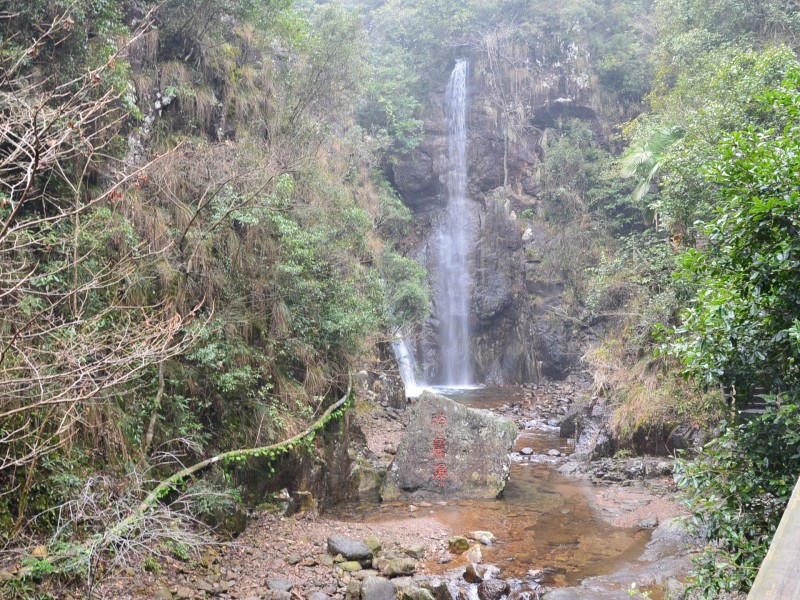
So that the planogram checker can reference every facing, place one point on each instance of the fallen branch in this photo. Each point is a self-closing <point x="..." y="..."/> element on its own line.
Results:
<point x="168" y="484"/>
<point x="95" y="545"/>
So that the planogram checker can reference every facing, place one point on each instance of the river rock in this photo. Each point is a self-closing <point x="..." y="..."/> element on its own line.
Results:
<point x="351" y="566"/>
<point x="474" y="554"/>
<point x="437" y="587"/>
<point x="458" y="544"/>
<point x="492" y="589"/>
<point x="415" y="593"/>
<point x="364" y="573"/>
<point x="162" y="594"/>
<point x="649" y="522"/>
<point x="473" y="573"/>
<point x="487" y="538"/>
<point x="526" y="451"/>
<point x="399" y="567"/>
<point x="349" y="548"/>
<point x="279" y="583"/>
<point x="470" y="458"/>
<point x="302" y="501"/>
<point x="353" y="590"/>
<point x="524" y="594"/>
<point x="377" y="588"/>
<point x="416" y="551"/>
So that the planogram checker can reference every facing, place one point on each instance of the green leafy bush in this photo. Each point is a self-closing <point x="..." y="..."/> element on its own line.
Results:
<point x="737" y="489"/>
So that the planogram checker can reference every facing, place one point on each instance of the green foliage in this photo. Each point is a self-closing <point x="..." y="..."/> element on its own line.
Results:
<point x="407" y="291"/>
<point x="425" y="28"/>
<point x="691" y="31"/>
<point x="737" y="489"/>
<point x="638" y="274"/>
<point x="321" y="84"/>
<point x="393" y="217"/>
<point x="737" y="331"/>
<point x="705" y="104"/>
<point x="578" y="178"/>
<point x="65" y="53"/>
<point x="570" y="168"/>
<point x="390" y="103"/>
<point x="740" y="331"/>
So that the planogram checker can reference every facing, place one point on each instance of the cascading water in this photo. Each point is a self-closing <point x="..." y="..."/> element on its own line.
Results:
<point x="453" y="285"/>
<point x="406" y="365"/>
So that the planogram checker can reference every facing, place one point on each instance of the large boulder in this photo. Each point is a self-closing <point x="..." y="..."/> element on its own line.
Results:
<point x="449" y="450"/>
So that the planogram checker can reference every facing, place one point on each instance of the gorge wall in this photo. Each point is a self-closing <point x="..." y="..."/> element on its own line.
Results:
<point x="516" y="335"/>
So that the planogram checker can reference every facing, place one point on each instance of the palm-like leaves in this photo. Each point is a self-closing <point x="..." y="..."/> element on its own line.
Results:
<point x="644" y="160"/>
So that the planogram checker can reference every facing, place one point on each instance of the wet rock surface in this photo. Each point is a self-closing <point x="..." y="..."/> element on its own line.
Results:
<point x="451" y="451"/>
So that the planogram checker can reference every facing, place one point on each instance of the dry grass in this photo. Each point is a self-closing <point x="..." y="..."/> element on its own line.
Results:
<point x="145" y="87"/>
<point x="647" y="393"/>
<point x="142" y="51"/>
<point x="174" y="73"/>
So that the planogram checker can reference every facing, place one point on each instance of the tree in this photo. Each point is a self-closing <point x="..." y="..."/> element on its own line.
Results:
<point x="643" y="161"/>
<point x="737" y="331"/>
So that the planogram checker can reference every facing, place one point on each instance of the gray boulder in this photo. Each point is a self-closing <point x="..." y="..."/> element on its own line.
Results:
<point x="377" y="588"/>
<point x="349" y="548"/>
<point x="449" y="450"/>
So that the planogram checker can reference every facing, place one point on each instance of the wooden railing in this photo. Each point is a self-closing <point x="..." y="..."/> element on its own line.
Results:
<point x="779" y="575"/>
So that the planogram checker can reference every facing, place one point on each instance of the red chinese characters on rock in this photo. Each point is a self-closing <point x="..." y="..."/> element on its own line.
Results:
<point x="439" y="450"/>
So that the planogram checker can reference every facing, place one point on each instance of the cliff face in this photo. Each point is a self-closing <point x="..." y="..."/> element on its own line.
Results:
<point x="516" y="336"/>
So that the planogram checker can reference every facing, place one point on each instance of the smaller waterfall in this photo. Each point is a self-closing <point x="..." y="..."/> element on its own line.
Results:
<point x="406" y="364"/>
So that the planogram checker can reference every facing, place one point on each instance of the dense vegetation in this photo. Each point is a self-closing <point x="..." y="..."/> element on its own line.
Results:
<point x="199" y="238"/>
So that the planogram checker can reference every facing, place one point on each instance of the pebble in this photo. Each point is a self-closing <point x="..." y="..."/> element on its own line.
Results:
<point x="279" y="583"/>
<point x="526" y="451"/>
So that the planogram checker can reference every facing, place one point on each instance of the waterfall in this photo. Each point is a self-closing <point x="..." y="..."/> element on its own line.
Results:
<point x="406" y="364"/>
<point x="453" y="285"/>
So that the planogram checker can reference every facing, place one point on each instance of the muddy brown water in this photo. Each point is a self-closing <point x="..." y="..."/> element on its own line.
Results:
<point x="543" y="520"/>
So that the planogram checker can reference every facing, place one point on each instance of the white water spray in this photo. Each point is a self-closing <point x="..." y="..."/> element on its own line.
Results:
<point x="406" y="364"/>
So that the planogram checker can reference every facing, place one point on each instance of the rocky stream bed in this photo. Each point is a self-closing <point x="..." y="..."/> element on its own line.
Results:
<point x="564" y="529"/>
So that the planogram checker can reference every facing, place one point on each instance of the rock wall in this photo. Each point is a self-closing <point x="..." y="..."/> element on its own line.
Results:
<point x="337" y="468"/>
<point x="516" y="337"/>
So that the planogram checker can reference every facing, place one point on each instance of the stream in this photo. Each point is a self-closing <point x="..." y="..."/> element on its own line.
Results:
<point x="544" y="522"/>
